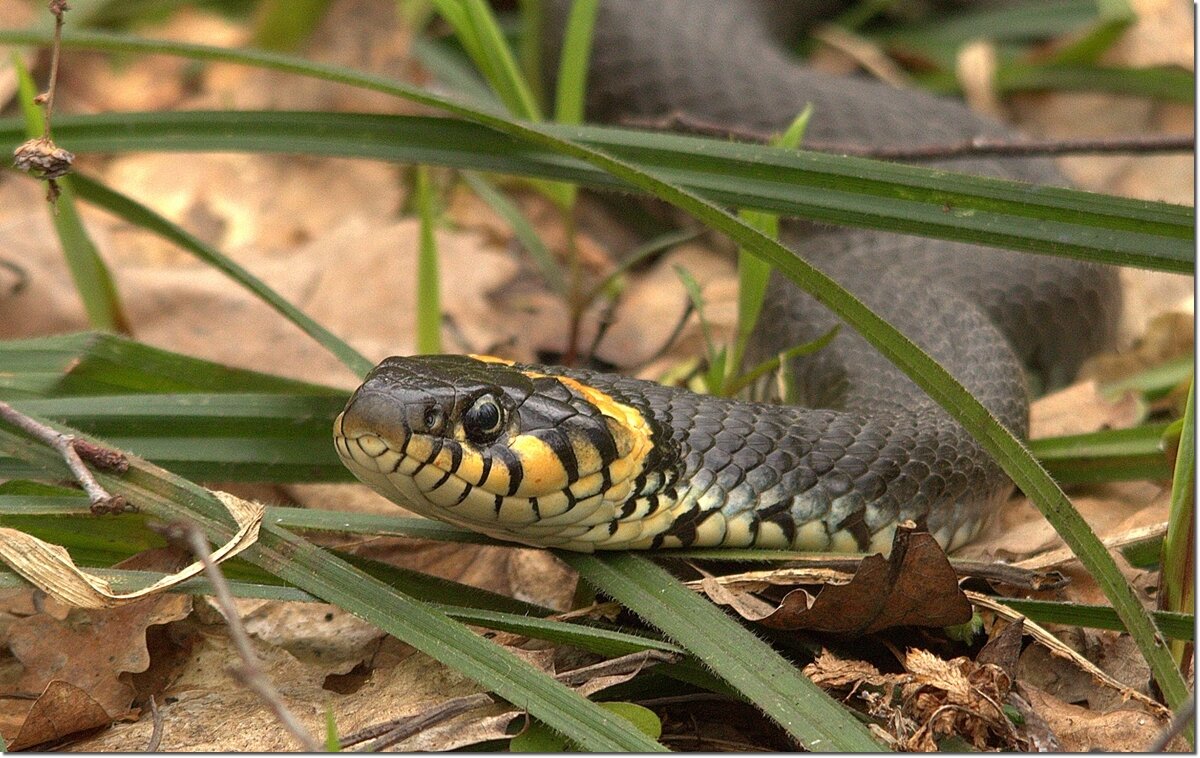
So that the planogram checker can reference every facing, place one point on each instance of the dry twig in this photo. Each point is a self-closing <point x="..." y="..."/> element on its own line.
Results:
<point x="74" y="450"/>
<point x="250" y="672"/>
<point x="40" y="156"/>
<point x="1008" y="147"/>
<point x="157" y="733"/>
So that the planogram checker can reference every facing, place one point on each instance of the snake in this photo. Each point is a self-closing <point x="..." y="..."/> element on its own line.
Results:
<point x="584" y="460"/>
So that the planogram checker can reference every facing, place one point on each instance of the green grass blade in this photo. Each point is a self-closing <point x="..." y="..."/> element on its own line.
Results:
<point x="638" y="255"/>
<point x="428" y="300"/>
<point x="571" y="86"/>
<point x="507" y="210"/>
<point x="452" y="69"/>
<point x="476" y="28"/>
<point x="1177" y="626"/>
<point x="164" y="496"/>
<point x="97" y="363"/>
<point x="1179" y="546"/>
<point x="93" y="282"/>
<point x="828" y="188"/>
<point x="139" y="215"/>
<point x="753" y="274"/>
<point x="284" y="25"/>
<point x="573" y="66"/>
<point x="1114" y="455"/>
<point x="729" y="650"/>
<point x="212" y="437"/>
<point x="1156" y="381"/>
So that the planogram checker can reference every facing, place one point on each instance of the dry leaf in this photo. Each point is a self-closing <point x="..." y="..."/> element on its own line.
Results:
<point x="1003" y="649"/>
<point x="1125" y="729"/>
<point x="50" y="568"/>
<point x="914" y="586"/>
<point x="59" y="712"/>
<point x="93" y="649"/>
<point x="933" y="698"/>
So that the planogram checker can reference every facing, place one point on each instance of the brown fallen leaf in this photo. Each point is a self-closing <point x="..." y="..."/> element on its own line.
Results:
<point x="1125" y="729"/>
<point x="59" y="712"/>
<point x="1003" y="649"/>
<point x="95" y="649"/>
<point x="915" y="586"/>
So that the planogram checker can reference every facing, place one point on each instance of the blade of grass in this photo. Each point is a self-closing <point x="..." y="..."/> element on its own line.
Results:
<point x="636" y="256"/>
<point x="1177" y="626"/>
<point x="1114" y="17"/>
<point x="476" y="28"/>
<point x="542" y="257"/>
<point x="1179" y="546"/>
<point x="93" y="281"/>
<point x="1114" y="455"/>
<point x="98" y="363"/>
<point x="572" y="73"/>
<point x="1156" y="381"/>
<point x="139" y="215"/>
<point x="450" y="67"/>
<point x="835" y="189"/>
<point x="753" y="274"/>
<point x="743" y="381"/>
<point x="284" y="25"/>
<point x="162" y="495"/>
<point x="1161" y="82"/>
<point x="728" y="649"/>
<point x="429" y="301"/>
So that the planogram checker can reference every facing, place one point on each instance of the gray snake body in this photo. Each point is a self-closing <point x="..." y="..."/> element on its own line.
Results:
<point x="585" y="460"/>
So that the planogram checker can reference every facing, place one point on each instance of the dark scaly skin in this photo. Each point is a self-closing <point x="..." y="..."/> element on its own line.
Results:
<point x="729" y="473"/>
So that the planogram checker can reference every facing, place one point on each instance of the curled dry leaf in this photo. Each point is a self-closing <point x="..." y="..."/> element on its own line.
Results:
<point x="60" y="711"/>
<point x="50" y="568"/>
<point x="915" y="586"/>
<point x="1003" y="649"/>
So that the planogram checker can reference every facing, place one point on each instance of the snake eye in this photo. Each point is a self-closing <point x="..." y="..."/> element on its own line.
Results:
<point x="483" y="420"/>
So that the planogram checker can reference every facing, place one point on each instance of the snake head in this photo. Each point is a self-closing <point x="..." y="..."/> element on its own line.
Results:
<point x="521" y="455"/>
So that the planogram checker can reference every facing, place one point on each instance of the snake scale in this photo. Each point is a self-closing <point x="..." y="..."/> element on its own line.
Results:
<point x="584" y="460"/>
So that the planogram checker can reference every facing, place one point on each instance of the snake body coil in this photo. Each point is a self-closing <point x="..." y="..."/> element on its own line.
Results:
<point x="583" y="460"/>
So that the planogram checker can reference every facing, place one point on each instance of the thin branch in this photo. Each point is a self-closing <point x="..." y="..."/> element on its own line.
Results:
<point x="250" y="673"/>
<point x="74" y="451"/>
<point x="975" y="147"/>
<point x="1017" y="148"/>
<point x="58" y="8"/>
<point x="157" y="733"/>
